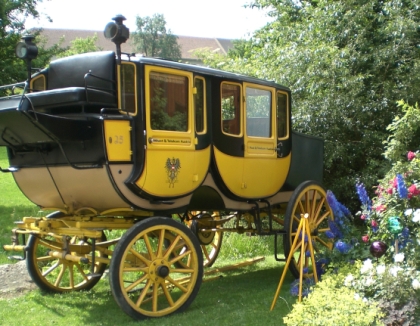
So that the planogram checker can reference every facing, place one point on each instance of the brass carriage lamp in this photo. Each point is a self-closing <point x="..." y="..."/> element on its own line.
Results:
<point x="118" y="33"/>
<point x="27" y="50"/>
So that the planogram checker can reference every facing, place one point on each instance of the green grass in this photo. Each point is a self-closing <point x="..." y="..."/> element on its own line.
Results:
<point x="239" y="297"/>
<point x="13" y="206"/>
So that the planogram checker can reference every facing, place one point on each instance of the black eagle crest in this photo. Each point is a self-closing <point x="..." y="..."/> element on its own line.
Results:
<point x="172" y="168"/>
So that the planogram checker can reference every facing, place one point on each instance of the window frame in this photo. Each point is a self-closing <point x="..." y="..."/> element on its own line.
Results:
<point x="204" y="108"/>
<point x="120" y="92"/>
<point x="239" y="110"/>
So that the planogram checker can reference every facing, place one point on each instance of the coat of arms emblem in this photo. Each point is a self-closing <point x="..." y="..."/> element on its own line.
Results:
<point x="172" y="168"/>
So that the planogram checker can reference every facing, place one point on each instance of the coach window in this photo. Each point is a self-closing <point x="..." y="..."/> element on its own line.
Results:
<point x="282" y="115"/>
<point x="128" y="88"/>
<point x="168" y="101"/>
<point x="231" y="108"/>
<point x="258" y="112"/>
<point x="199" y="105"/>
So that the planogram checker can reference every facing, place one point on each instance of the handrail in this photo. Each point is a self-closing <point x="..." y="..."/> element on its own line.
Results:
<point x="89" y="74"/>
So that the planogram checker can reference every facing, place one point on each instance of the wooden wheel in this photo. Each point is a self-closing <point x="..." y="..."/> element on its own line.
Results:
<point x="308" y="198"/>
<point x="210" y="241"/>
<point x="59" y="275"/>
<point x="149" y="275"/>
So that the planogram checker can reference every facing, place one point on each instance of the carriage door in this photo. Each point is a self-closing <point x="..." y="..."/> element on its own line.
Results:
<point x="264" y="170"/>
<point x="170" y="163"/>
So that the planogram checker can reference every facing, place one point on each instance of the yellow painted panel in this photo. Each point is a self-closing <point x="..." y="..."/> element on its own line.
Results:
<point x="252" y="177"/>
<point x="174" y="173"/>
<point x="117" y="140"/>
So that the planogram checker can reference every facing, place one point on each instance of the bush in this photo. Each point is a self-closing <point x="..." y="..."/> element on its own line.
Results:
<point x="331" y="303"/>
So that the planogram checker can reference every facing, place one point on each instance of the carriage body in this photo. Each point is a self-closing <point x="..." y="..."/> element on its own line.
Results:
<point x="162" y="137"/>
<point x="168" y="152"/>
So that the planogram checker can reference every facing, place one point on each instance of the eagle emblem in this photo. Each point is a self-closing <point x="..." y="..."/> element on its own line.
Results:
<point x="172" y="169"/>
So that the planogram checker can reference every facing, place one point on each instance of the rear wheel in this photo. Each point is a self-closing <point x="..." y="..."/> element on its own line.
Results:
<point x="149" y="276"/>
<point x="308" y="198"/>
<point x="210" y="241"/>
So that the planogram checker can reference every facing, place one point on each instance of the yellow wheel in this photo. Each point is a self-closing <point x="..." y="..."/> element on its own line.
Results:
<point x="308" y="198"/>
<point x="58" y="275"/>
<point x="210" y="241"/>
<point x="149" y="275"/>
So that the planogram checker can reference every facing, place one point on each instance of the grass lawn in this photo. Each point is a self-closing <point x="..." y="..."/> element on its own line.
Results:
<point x="239" y="297"/>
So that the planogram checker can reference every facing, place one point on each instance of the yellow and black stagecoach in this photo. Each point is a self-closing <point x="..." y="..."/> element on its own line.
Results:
<point x="163" y="156"/>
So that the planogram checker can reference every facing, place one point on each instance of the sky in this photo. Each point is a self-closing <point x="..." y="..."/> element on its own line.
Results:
<point x="201" y="18"/>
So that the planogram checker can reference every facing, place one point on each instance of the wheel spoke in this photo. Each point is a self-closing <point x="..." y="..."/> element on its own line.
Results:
<point x="71" y="276"/>
<point x="134" y="284"/>
<point x="159" y="252"/>
<point x="149" y="247"/>
<point x="172" y="247"/>
<point x="60" y="275"/>
<point x="82" y="272"/>
<point x="155" y="297"/>
<point x="49" y="270"/>
<point x="177" y="284"/>
<point x="143" y="293"/>
<point x="168" y="296"/>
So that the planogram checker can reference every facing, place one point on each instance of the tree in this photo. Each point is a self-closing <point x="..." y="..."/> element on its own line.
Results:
<point x="348" y="63"/>
<point x="81" y="45"/>
<point x="152" y="39"/>
<point x="12" y="19"/>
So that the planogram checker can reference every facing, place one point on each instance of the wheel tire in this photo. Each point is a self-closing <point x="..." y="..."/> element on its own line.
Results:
<point x="319" y="212"/>
<point x="59" y="275"/>
<point x="145" y="277"/>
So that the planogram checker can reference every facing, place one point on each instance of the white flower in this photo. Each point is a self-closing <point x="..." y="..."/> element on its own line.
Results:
<point x="394" y="270"/>
<point x="369" y="281"/>
<point x="348" y="280"/>
<point x="380" y="269"/>
<point x="416" y="216"/>
<point x="356" y="296"/>
<point x="415" y="284"/>
<point x="399" y="258"/>
<point x="408" y="212"/>
<point x="367" y="266"/>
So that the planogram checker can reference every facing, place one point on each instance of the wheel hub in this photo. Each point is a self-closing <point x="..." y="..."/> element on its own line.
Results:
<point x="162" y="271"/>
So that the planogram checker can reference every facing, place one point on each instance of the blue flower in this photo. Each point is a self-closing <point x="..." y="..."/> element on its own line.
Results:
<point x="342" y="247"/>
<point x="402" y="189"/>
<point x="363" y="196"/>
<point x="329" y="234"/>
<point x="306" y="287"/>
<point x="335" y="229"/>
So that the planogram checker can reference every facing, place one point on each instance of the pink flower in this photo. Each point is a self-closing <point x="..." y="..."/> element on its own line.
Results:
<point x="411" y="155"/>
<point x="395" y="183"/>
<point x="374" y="224"/>
<point x="365" y="238"/>
<point x="363" y="217"/>
<point x="389" y="191"/>
<point x="380" y="208"/>
<point x="413" y="190"/>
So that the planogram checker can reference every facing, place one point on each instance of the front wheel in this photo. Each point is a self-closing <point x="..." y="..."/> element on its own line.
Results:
<point x="59" y="275"/>
<point x="308" y="198"/>
<point x="149" y="276"/>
